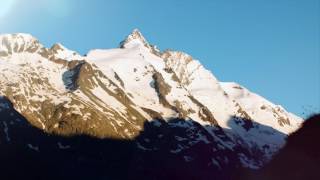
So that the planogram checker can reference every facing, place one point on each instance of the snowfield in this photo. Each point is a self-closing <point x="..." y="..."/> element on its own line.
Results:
<point x="119" y="89"/>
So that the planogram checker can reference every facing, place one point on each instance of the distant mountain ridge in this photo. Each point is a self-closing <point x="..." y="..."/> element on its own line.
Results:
<point x="113" y="93"/>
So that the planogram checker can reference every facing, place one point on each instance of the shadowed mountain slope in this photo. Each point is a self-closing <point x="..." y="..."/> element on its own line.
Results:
<point x="162" y="150"/>
<point x="298" y="159"/>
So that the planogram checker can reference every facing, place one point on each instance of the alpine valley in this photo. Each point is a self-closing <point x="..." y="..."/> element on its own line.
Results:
<point x="132" y="112"/>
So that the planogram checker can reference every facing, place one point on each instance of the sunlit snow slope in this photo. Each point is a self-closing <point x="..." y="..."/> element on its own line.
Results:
<point x="113" y="92"/>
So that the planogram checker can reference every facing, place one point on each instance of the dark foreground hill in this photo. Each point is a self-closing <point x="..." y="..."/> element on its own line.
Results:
<point x="298" y="160"/>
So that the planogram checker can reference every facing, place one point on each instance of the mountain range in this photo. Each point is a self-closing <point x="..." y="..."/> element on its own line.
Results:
<point x="161" y="113"/>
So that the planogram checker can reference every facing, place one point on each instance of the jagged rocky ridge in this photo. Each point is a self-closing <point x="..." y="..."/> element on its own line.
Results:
<point x="114" y="93"/>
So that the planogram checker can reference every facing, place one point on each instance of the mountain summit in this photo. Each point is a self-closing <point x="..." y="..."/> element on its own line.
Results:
<point x="124" y="92"/>
<point x="135" y="38"/>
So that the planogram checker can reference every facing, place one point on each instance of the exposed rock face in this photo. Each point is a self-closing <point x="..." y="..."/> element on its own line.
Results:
<point x="117" y="93"/>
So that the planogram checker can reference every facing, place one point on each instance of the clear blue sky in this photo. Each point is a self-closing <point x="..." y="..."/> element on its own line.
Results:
<point x="271" y="47"/>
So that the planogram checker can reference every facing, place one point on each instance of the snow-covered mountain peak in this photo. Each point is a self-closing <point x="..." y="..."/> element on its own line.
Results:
<point x="61" y="52"/>
<point x="18" y="37"/>
<point x="20" y="42"/>
<point x="136" y="39"/>
<point x="136" y="34"/>
<point x="114" y="92"/>
<point x="57" y="47"/>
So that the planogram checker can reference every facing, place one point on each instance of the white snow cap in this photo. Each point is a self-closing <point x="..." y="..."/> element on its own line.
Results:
<point x="18" y="42"/>
<point x="64" y="53"/>
<point x="18" y="37"/>
<point x="135" y="38"/>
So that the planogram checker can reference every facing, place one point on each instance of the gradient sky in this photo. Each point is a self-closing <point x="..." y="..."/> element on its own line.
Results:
<point x="272" y="47"/>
